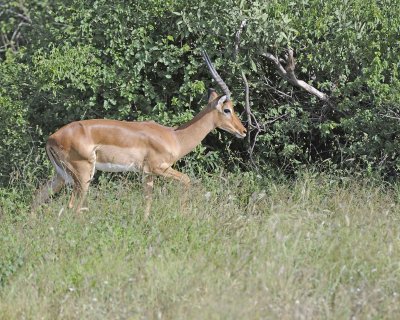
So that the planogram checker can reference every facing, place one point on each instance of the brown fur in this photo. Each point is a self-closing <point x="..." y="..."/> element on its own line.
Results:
<point x="144" y="146"/>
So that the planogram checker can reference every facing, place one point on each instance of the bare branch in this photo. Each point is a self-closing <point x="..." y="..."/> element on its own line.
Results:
<point x="237" y="38"/>
<point x="252" y="123"/>
<point x="247" y="108"/>
<point x="16" y="32"/>
<point x="24" y="17"/>
<point x="247" y="104"/>
<point x="390" y="117"/>
<point x="277" y="118"/>
<point x="13" y="38"/>
<point x="288" y="74"/>
<point x="280" y="93"/>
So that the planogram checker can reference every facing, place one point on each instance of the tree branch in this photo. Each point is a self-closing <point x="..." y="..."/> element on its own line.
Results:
<point x="288" y="74"/>
<point x="250" y="116"/>
<point x="237" y="38"/>
<point x="12" y="39"/>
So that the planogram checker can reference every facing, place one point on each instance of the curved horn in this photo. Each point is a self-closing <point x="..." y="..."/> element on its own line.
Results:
<point x="215" y="75"/>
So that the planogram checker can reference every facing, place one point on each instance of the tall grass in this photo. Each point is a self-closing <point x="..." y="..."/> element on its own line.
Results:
<point x="245" y="247"/>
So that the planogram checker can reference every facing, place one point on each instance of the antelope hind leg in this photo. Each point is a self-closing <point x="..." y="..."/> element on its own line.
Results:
<point x="84" y="172"/>
<point x="46" y="191"/>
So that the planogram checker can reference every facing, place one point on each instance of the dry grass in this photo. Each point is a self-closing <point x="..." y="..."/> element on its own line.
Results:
<point x="244" y="248"/>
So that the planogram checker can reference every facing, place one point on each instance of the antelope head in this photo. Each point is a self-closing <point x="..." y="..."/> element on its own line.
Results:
<point x="226" y="118"/>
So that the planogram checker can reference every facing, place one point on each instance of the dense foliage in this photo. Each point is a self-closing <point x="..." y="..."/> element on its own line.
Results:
<point x="74" y="59"/>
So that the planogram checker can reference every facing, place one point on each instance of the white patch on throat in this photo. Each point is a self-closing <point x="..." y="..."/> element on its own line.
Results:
<point x="115" y="167"/>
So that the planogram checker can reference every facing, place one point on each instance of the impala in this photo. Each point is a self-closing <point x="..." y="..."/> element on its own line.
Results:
<point x="80" y="148"/>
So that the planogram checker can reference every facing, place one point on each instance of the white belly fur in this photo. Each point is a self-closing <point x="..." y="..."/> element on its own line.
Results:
<point x="114" y="167"/>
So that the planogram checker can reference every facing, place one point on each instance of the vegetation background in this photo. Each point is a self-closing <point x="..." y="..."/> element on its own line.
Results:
<point x="68" y="60"/>
<point x="300" y="220"/>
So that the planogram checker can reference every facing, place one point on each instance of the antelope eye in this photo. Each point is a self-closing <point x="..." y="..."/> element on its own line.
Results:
<point x="227" y="111"/>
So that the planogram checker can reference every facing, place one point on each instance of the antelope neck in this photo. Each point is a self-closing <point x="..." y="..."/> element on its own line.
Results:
<point x="194" y="131"/>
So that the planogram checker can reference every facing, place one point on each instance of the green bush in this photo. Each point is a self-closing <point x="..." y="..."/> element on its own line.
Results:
<point x="134" y="61"/>
<point x="15" y="139"/>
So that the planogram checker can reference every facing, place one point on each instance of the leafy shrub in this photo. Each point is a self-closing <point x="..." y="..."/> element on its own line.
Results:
<point x="14" y="130"/>
<point x="95" y="59"/>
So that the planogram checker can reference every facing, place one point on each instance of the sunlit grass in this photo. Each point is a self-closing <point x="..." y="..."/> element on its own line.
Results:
<point x="241" y="248"/>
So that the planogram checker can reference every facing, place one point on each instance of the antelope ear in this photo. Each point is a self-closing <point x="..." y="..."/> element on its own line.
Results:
<point x="220" y="103"/>
<point x="212" y="95"/>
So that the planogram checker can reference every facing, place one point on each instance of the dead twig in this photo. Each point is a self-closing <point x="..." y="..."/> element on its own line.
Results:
<point x="288" y="74"/>
<point x="252" y="123"/>
<point x="237" y="38"/>
<point x="12" y="41"/>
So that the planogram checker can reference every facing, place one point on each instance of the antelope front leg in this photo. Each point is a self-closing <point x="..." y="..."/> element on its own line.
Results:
<point x="174" y="174"/>
<point x="148" y="194"/>
<point x="179" y="176"/>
